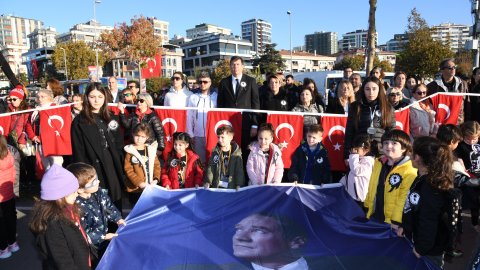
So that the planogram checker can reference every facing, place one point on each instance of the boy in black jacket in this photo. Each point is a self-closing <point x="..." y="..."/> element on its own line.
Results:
<point x="310" y="163"/>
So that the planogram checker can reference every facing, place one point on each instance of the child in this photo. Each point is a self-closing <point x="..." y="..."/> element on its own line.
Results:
<point x="310" y="163"/>
<point x="96" y="206"/>
<point x="392" y="176"/>
<point x="264" y="163"/>
<point x="225" y="166"/>
<point x="183" y="168"/>
<point x="61" y="239"/>
<point x="468" y="151"/>
<point x="8" y="213"/>
<point x="361" y="165"/>
<point x="141" y="165"/>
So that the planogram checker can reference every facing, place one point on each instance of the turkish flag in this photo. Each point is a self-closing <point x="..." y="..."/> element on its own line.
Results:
<point x="173" y="120"/>
<point x="402" y="118"/>
<point x="5" y="125"/>
<point x="216" y="119"/>
<point x="334" y="140"/>
<point x="153" y="67"/>
<point x="115" y="110"/>
<point x="288" y="134"/>
<point x="55" y="131"/>
<point x="448" y="108"/>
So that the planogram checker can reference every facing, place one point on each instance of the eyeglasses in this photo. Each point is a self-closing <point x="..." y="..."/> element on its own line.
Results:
<point x="394" y="94"/>
<point x="203" y="82"/>
<point x="127" y="94"/>
<point x="450" y="68"/>
<point x="93" y="183"/>
<point x="12" y="99"/>
<point x="141" y="100"/>
<point x="421" y="93"/>
<point x="176" y="78"/>
<point x="131" y="86"/>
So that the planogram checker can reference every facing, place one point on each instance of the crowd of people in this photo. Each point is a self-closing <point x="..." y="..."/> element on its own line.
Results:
<point x="403" y="180"/>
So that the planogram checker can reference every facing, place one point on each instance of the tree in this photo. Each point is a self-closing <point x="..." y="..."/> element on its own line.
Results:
<point x="371" y="34"/>
<point x="421" y="55"/>
<point x="356" y="62"/>
<point x="136" y="42"/>
<point x="271" y="61"/>
<point x="384" y="64"/>
<point x="464" y="62"/>
<point x="79" y="56"/>
<point x="221" y="71"/>
<point x="156" y="84"/>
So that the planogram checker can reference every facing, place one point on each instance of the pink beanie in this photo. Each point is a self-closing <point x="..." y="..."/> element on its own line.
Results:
<point x="57" y="183"/>
<point x="17" y="92"/>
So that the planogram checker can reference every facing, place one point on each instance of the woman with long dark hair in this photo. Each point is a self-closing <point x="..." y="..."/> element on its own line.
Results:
<point x="95" y="138"/>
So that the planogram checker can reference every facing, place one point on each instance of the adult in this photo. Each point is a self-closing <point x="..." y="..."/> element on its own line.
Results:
<point x="317" y="97"/>
<point x="275" y="99"/>
<point x="58" y="92"/>
<point x="114" y="95"/>
<point x="134" y="87"/>
<point x="410" y="83"/>
<point x="197" y="119"/>
<point x="395" y="97"/>
<point x="356" y="80"/>
<point x="425" y="218"/>
<point x="178" y="94"/>
<point x="399" y="82"/>
<point x="372" y="114"/>
<point x="240" y="91"/>
<point x="144" y="114"/>
<point x="293" y="91"/>
<point x="448" y="82"/>
<point x="342" y="100"/>
<point x="475" y="101"/>
<point x="95" y="138"/>
<point x="307" y="104"/>
<point x="77" y="107"/>
<point x="379" y="74"/>
<point x="422" y="114"/>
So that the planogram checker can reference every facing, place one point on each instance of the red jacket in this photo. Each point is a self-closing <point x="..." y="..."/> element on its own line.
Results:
<point x="7" y="178"/>
<point x="193" y="173"/>
<point x="20" y="123"/>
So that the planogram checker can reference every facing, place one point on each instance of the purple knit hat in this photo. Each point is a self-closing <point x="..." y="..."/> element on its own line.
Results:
<point x="57" y="183"/>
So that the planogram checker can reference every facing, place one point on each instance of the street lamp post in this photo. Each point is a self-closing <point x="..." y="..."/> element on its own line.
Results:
<point x="95" y="2"/>
<point x="289" y="13"/>
<point x="65" y="62"/>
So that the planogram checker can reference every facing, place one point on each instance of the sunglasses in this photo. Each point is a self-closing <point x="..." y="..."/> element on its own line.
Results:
<point x="176" y="78"/>
<point x="421" y="93"/>
<point x="394" y="94"/>
<point x="141" y="100"/>
<point x="127" y="95"/>
<point x="93" y="184"/>
<point x="12" y="99"/>
<point x="450" y="68"/>
<point x="203" y="82"/>
<point x="131" y="86"/>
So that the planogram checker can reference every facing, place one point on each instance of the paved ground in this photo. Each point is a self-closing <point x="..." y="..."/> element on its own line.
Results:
<point x="27" y="258"/>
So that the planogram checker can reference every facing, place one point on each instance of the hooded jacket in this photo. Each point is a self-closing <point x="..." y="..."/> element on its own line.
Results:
<point x="135" y="167"/>
<point x="356" y="182"/>
<point x="150" y="118"/>
<point x="257" y="163"/>
<point x="193" y="172"/>
<point x="235" y="172"/>
<point x="320" y="174"/>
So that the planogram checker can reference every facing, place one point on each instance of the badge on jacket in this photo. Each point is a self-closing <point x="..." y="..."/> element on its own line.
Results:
<point x="243" y="84"/>
<point x="174" y="163"/>
<point x="395" y="181"/>
<point x="319" y="160"/>
<point x="113" y="125"/>
<point x="215" y="159"/>
<point x="414" y="198"/>
<point x="135" y="160"/>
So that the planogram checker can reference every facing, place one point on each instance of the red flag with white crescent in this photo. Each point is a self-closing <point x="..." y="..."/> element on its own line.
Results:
<point x="55" y="131"/>
<point x="402" y="118"/>
<point x="153" y="66"/>
<point x="333" y="139"/>
<point x="5" y="125"/>
<point x="447" y="107"/>
<point x="216" y="119"/>
<point x="288" y="134"/>
<point x="173" y="120"/>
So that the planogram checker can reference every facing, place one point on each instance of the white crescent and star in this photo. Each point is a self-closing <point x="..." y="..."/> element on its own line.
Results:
<point x="56" y="117"/>
<point x="173" y="122"/>
<point x="446" y="108"/>
<point x="220" y="123"/>
<point x="399" y="124"/>
<point x="285" y="125"/>
<point x="154" y="62"/>
<point x="336" y="146"/>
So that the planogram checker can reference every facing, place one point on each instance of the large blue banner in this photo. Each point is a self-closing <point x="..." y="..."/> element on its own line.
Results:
<point x="302" y="227"/>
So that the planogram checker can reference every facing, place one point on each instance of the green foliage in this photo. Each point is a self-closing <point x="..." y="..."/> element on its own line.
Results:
<point x="422" y="54"/>
<point x="23" y="78"/>
<point x="464" y="62"/>
<point x="155" y="84"/>
<point x="221" y="71"/>
<point x="356" y="62"/>
<point x="79" y="56"/>
<point x="271" y="61"/>
<point x="385" y="65"/>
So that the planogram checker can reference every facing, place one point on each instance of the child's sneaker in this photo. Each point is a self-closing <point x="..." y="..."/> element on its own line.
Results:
<point x="5" y="253"/>
<point x="13" y="247"/>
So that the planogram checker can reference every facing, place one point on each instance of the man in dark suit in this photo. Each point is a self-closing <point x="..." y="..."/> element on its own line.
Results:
<point x="240" y="91"/>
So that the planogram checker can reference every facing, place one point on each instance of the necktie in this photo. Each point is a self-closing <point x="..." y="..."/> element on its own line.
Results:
<point x="237" y="86"/>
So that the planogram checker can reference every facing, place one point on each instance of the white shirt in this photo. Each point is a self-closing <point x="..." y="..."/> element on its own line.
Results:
<point x="176" y="98"/>
<point x="115" y="95"/>
<point x="234" y="82"/>
<point x="197" y="119"/>
<point x="300" y="264"/>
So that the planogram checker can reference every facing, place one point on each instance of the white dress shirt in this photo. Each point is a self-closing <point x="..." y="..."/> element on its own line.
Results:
<point x="234" y="82"/>
<point x="300" y="264"/>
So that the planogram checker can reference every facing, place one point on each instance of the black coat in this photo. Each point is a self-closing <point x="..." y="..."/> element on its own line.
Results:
<point x="321" y="167"/>
<point x="335" y="106"/>
<point x="62" y="246"/>
<point x="278" y="102"/>
<point x="157" y="134"/>
<point x="87" y="148"/>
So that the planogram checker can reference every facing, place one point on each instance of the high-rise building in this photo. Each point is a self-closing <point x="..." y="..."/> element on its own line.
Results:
<point x="355" y="40"/>
<point x="14" y="30"/>
<point x="258" y="32"/>
<point x="203" y="29"/>
<point x="324" y="43"/>
<point x="454" y="34"/>
<point x="45" y="37"/>
<point x="88" y="32"/>
<point x="396" y="44"/>
<point x="160" y="28"/>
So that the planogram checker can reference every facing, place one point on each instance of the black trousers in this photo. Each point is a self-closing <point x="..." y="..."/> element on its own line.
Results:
<point x="8" y="223"/>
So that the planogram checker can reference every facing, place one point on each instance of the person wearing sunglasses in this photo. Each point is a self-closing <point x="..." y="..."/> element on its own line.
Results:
<point x="395" y="97"/>
<point x="197" y="119"/>
<point x="128" y="97"/>
<point x="178" y="94"/>
<point x="144" y="114"/>
<point x="422" y="115"/>
<point x="134" y="87"/>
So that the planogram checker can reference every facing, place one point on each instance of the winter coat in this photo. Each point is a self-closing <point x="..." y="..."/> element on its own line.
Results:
<point x="197" y="119"/>
<point x="17" y="158"/>
<point x="96" y="212"/>
<point x="423" y="220"/>
<point x="62" y="247"/>
<point x="308" y="120"/>
<point x="193" y="172"/>
<point x="335" y="106"/>
<point x="149" y="117"/>
<point x="135" y="167"/>
<point x="256" y="165"/>
<point x="7" y="178"/>
<point x="422" y="122"/>
<point x="321" y="173"/>
<point x="235" y="168"/>
<point x="358" y="124"/>
<point x="460" y="86"/>
<point x="470" y="155"/>
<point x="20" y="123"/>
<point x="177" y="99"/>
<point x="397" y="185"/>
<point x="357" y="180"/>
<point x="271" y="102"/>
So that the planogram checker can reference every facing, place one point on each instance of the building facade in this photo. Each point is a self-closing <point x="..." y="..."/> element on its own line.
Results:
<point x="204" y="29"/>
<point x="44" y="37"/>
<point x="171" y="60"/>
<point x="306" y="62"/>
<point x="15" y="30"/>
<point x="355" y="40"/>
<point x="324" y="43"/>
<point x="454" y="34"/>
<point x="397" y="43"/>
<point x="160" y="28"/>
<point x="259" y="33"/>
<point x="88" y="32"/>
